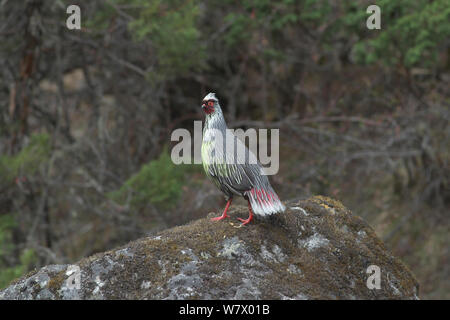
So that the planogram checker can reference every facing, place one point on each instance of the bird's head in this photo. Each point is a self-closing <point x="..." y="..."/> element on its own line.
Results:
<point x="210" y="103"/>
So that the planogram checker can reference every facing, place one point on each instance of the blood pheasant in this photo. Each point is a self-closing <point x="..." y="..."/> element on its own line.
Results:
<point x="234" y="172"/>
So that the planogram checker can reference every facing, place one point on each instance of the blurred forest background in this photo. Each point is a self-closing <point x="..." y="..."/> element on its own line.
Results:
<point x="86" y="117"/>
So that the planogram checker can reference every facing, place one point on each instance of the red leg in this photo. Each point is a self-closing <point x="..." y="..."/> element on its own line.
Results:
<point x="250" y="217"/>
<point x="224" y="214"/>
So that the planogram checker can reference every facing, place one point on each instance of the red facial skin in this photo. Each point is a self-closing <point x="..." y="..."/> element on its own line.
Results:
<point x="208" y="106"/>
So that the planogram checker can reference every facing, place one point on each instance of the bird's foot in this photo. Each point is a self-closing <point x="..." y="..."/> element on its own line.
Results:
<point x="250" y="216"/>
<point x="245" y="221"/>
<point x="219" y="218"/>
<point x="224" y="214"/>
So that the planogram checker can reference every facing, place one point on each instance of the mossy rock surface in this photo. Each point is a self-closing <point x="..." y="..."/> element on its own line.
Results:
<point x="317" y="249"/>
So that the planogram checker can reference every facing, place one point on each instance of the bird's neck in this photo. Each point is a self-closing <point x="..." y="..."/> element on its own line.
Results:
<point x="216" y="121"/>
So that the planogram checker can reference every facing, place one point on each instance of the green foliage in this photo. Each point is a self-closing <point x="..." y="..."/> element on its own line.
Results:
<point x="168" y="25"/>
<point x="411" y="32"/>
<point x="258" y="16"/>
<point x="316" y="12"/>
<point x="171" y="26"/>
<point x="101" y="20"/>
<point x="6" y="224"/>
<point x="239" y="29"/>
<point x="27" y="256"/>
<point x="158" y="182"/>
<point x="28" y="160"/>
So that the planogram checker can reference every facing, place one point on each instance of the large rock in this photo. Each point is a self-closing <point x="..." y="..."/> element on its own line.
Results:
<point x="317" y="249"/>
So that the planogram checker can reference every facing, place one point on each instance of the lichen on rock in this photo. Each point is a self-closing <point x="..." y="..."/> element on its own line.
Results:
<point x="317" y="249"/>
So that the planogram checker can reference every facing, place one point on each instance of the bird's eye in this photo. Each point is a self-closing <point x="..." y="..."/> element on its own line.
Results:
<point x="210" y="103"/>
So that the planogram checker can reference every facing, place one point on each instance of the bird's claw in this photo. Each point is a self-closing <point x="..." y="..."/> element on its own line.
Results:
<point x="244" y="221"/>
<point x="219" y="218"/>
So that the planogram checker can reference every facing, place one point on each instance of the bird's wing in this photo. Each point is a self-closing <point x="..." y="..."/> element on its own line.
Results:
<point x="236" y="167"/>
<point x="232" y="176"/>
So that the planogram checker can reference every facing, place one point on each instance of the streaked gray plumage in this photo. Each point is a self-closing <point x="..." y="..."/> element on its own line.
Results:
<point x="234" y="172"/>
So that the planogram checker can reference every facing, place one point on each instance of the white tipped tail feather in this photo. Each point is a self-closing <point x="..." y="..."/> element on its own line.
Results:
<point x="264" y="202"/>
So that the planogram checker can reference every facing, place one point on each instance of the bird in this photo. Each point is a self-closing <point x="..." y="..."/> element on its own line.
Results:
<point x="234" y="173"/>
